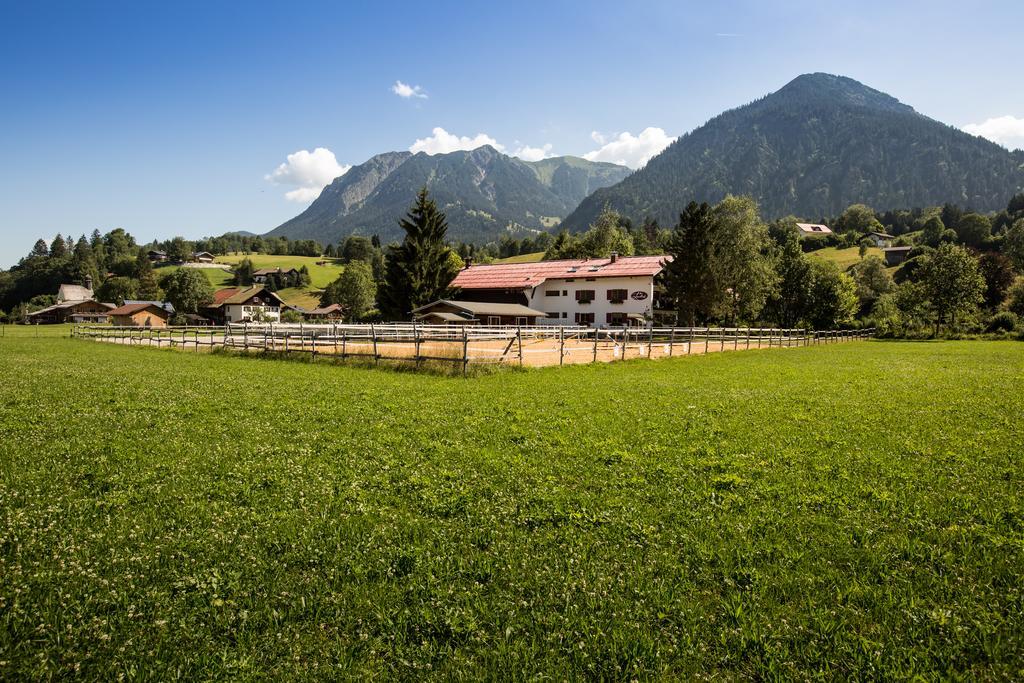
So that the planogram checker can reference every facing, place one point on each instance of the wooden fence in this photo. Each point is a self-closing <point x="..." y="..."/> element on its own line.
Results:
<point x="469" y="344"/>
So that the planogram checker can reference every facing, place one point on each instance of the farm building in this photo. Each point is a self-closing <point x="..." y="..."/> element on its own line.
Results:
<point x="202" y="257"/>
<point x="894" y="256"/>
<point x="599" y="292"/>
<point x="156" y="256"/>
<point x="140" y="314"/>
<point x="245" y="304"/>
<point x="881" y="239"/>
<point x="87" y="311"/>
<point x="447" y="312"/>
<point x="283" y="274"/>
<point x="330" y="313"/>
<point x="813" y="229"/>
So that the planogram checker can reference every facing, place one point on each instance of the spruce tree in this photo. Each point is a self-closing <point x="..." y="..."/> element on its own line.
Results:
<point x="688" y="278"/>
<point x="420" y="269"/>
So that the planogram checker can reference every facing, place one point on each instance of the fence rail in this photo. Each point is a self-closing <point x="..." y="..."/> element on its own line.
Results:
<point x="467" y="345"/>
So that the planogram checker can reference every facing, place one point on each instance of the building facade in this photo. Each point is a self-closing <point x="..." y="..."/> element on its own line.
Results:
<point x="600" y="293"/>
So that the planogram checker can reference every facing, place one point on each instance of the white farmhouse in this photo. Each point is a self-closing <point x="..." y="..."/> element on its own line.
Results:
<point x="600" y="292"/>
<point x="246" y="304"/>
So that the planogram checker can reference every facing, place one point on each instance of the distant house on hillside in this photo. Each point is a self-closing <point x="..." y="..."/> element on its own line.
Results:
<point x="331" y="313"/>
<point x="881" y="239"/>
<point x="202" y="257"/>
<point x="447" y="312"/>
<point x="283" y="275"/>
<point x="894" y="256"/>
<point x="598" y="292"/>
<point x="142" y="314"/>
<point x="813" y="229"/>
<point x="156" y="256"/>
<point x="245" y="304"/>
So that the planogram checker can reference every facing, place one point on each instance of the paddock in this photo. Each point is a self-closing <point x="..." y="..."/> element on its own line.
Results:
<point x="466" y="345"/>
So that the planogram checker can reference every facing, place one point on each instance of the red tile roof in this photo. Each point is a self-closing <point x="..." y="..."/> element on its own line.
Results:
<point x="525" y="275"/>
<point x="223" y="294"/>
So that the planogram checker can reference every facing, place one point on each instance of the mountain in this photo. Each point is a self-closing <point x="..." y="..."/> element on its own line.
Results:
<point x="811" y="149"/>
<point x="483" y="192"/>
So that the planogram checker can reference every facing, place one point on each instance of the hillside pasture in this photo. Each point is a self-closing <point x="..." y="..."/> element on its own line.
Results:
<point x="845" y="257"/>
<point x="321" y="275"/>
<point x="833" y="512"/>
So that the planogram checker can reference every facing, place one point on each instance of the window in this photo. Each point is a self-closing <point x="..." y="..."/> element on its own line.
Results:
<point x="591" y="279"/>
<point x="570" y="279"/>
<point x="555" y="314"/>
<point x="522" y="321"/>
<point x="616" y="318"/>
<point x="564" y="314"/>
<point x="552" y="292"/>
<point x="565" y="292"/>
<point x="584" y="296"/>
<point x="617" y="296"/>
<point x="584" y="318"/>
<point x="493" y="320"/>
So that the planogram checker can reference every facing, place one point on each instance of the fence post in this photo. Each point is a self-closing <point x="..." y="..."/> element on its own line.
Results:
<point x="416" y="344"/>
<point x="650" y="340"/>
<point x="245" y="335"/>
<point x="561" y="345"/>
<point x="465" y="350"/>
<point x="595" y="347"/>
<point x="519" y="339"/>
<point x="671" y="340"/>
<point x="373" y="332"/>
<point x="344" y="344"/>
<point x="707" y="339"/>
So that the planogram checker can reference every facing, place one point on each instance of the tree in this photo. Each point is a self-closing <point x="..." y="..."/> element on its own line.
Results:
<point x="858" y="218"/>
<point x="564" y="246"/>
<point x="357" y="248"/>
<point x="58" y="248"/>
<point x="689" y="282"/>
<point x="952" y="282"/>
<point x="187" y="289"/>
<point x="1015" y="297"/>
<point x="354" y="290"/>
<point x="304" y="279"/>
<point x="833" y="296"/>
<point x="419" y="270"/>
<point x="117" y="289"/>
<point x="742" y="271"/>
<point x="179" y="250"/>
<point x="607" y="235"/>
<point x="998" y="273"/>
<point x="973" y="229"/>
<point x="1013" y="244"/>
<point x="39" y="250"/>
<point x="932" y="232"/>
<point x="872" y="280"/>
<point x="243" y="273"/>
<point x="789" y="301"/>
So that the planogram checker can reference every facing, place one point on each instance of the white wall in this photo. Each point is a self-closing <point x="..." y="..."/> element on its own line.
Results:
<point x="236" y="313"/>
<point x="600" y="306"/>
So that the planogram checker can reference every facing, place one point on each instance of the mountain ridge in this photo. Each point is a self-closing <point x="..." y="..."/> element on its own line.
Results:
<point x="811" y="148"/>
<point x="484" y="192"/>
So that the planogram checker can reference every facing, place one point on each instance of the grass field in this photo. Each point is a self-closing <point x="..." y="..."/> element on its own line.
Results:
<point x="321" y="275"/>
<point x="844" y="258"/>
<point x="850" y="511"/>
<point x="522" y="258"/>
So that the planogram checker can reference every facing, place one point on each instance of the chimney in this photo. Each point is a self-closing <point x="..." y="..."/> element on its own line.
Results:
<point x="469" y="261"/>
<point x="88" y="282"/>
<point x="615" y="256"/>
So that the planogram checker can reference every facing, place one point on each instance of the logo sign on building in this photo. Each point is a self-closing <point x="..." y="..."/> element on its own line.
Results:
<point x="638" y="295"/>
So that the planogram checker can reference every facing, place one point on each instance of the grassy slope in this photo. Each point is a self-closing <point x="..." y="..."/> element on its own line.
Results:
<point x="844" y="258"/>
<point x="842" y="511"/>
<point x="321" y="275"/>
<point x="218" y="277"/>
<point x="522" y="258"/>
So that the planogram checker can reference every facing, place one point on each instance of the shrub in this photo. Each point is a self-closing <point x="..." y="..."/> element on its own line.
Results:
<point x="1003" y="321"/>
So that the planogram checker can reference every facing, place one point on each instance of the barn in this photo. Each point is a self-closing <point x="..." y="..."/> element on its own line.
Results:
<point x="142" y="314"/>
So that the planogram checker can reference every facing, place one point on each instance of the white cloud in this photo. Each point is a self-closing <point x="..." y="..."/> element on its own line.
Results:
<point x="1007" y="131"/>
<point x="442" y="142"/>
<point x="309" y="171"/>
<point x="527" y="153"/>
<point x="628" y="149"/>
<point x="406" y="91"/>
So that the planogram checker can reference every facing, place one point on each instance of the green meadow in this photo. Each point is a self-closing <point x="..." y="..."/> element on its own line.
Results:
<point x="834" y="512"/>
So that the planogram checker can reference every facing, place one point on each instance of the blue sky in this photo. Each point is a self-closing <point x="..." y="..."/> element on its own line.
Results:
<point x="168" y="118"/>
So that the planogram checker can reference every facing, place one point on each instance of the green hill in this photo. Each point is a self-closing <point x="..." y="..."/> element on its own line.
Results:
<point x="811" y="149"/>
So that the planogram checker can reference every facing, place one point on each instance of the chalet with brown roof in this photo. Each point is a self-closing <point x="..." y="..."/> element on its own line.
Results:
<point x="245" y="304"/>
<point x="141" y="314"/>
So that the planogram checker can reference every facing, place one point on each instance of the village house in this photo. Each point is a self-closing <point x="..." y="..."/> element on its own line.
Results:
<point x="894" y="256"/>
<point x="447" y="312"/>
<point x="140" y="314"/>
<point x="202" y="257"/>
<point x="283" y="275"/>
<point x="881" y="239"/>
<point x="813" y="229"/>
<point x="156" y="256"/>
<point x="332" y="313"/>
<point x="245" y="304"/>
<point x="75" y="304"/>
<point x="598" y="292"/>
